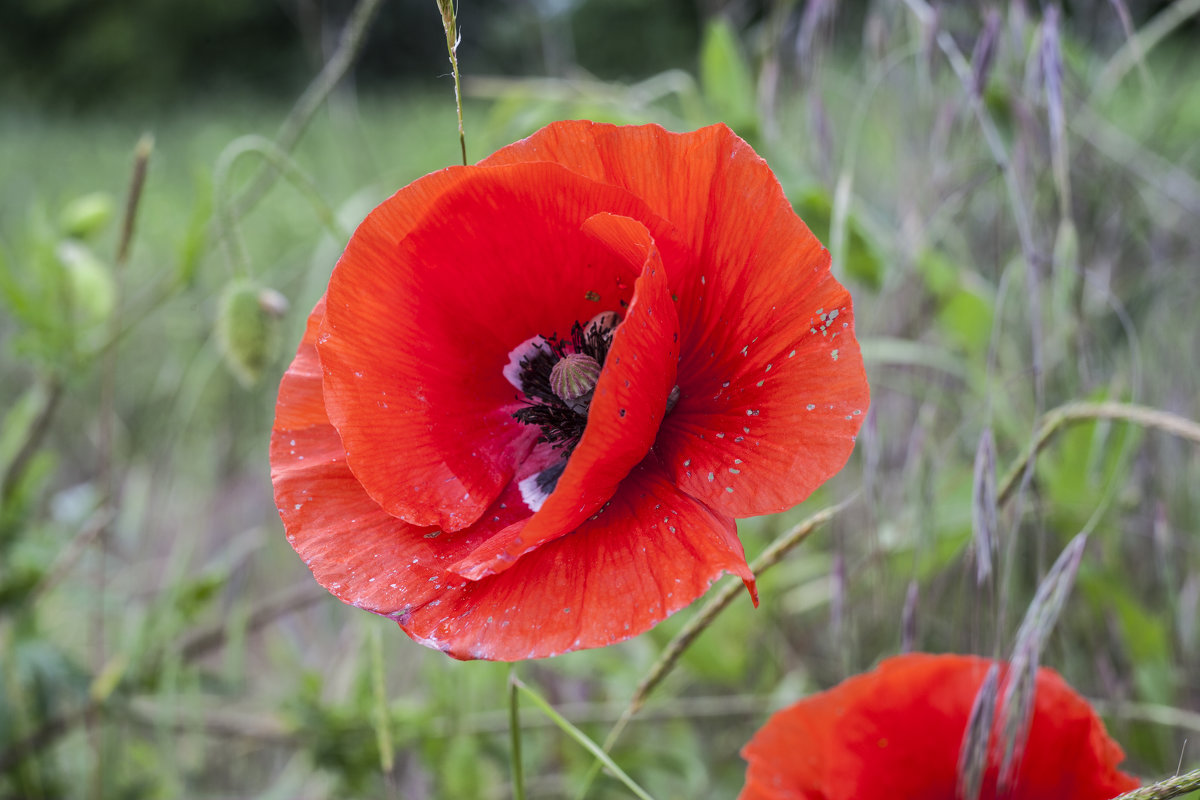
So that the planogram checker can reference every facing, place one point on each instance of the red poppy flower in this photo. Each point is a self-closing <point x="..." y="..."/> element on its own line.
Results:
<point x="540" y="389"/>
<point x="896" y="733"/>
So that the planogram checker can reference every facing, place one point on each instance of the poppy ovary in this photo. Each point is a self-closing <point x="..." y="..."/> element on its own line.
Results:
<point x="558" y="376"/>
<point x="573" y="379"/>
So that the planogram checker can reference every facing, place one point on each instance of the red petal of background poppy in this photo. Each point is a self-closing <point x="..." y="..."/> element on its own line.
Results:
<point x="625" y="412"/>
<point x="416" y="334"/>
<point x="753" y="291"/>
<point x="895" y="734"/>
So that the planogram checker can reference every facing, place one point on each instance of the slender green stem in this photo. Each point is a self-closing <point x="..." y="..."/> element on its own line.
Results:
<point x="383" y="726"/>
<point x="450" y="25"/>
<point x="581" y="737"/>
<point x="1146" y="39"/>
<point x="514" y="730"/>
<point x="354" y="35"/>
<point x="14" y="471"/>
<point x="278" y="158"/>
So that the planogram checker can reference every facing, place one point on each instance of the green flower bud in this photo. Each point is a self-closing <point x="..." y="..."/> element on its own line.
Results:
<point x="91" y="287"/>
<point x="247" y="330"/>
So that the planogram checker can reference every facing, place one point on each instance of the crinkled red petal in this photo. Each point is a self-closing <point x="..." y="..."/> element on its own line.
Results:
<point x="649" y="552"/>
<point x="626" y="408"/>
<point x="418" y="331"/>
<point x="896" y="733"/>
<point x="766" y="332"/>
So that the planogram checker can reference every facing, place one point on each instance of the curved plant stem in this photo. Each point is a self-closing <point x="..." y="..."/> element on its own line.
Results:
<point x="278" y="158"/>
<point x="1163" y="790"/>
<point x="1058" y="418"/>
<point x="14" y="471"/>
<point x="349" y="45"/>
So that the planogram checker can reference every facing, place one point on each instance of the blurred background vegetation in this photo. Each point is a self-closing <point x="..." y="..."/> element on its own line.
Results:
<point x="1010" y="190"/>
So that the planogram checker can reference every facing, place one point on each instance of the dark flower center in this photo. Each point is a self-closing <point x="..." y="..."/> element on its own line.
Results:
<point x="557" y="376"/>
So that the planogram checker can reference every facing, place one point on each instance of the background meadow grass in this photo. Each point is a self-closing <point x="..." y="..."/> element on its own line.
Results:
<point x="160" y="639"/>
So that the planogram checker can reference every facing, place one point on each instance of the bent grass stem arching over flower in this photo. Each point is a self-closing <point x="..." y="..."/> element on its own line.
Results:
<point x="540" y="389"/>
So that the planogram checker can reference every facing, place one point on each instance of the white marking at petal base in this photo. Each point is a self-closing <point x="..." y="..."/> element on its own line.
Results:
<point x="512" y="370"/>
<point x="531" y="493"/>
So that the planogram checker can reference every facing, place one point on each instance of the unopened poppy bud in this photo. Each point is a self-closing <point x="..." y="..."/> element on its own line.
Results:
<point x="93" y="292"/>
<point x="573" y="378"/>
<point x="247" y="332"/>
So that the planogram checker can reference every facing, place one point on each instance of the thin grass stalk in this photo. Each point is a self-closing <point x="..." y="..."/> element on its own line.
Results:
<point x="224" y="216"/>
<point x="1138" y="45"/>
<point x="450" y="25"/>
<point x="514" y="732"/>
<point x="383" y="726"/>
<point x="1056" y="419"/>
<point x="349" y="46"/>
<point x="107" y="477"/>
<point x="1166" y="789"/>
<point x="583" y="739"/>
<point x="1020" y="212"/>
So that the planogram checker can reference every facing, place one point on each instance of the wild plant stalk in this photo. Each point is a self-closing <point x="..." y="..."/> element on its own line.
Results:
<point x="514" y="730"/>
<point x="1164" y="790"/>
<point x="1071" y="413"/>
<point x="582" y="738"/>
<point x="226" y="220"/>
<point x="450" y="25"/>
<point x="107" y="473"/>
<point x="353" y="37"/>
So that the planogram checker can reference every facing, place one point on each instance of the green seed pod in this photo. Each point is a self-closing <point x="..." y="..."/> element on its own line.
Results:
<point x="91" y="287"/>
<point x="573" y="379"/>
<point x="87" y="215"/>
<point x="247" y="333"/>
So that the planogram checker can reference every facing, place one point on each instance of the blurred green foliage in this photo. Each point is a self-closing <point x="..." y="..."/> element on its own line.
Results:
<point x="158" y="638"/>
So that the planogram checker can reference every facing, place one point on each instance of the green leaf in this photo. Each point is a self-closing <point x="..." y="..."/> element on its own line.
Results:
<point x="966" y="319"/>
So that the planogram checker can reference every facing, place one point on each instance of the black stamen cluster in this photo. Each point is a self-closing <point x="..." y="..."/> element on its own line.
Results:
<point x="561" y="425"/>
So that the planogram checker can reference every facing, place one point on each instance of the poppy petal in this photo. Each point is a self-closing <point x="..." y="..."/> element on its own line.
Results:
<point x="895" y="734"/>
<point x="736" y="332"/>
<point x="300" y="403"/>
<point x="358" y="551"/>
<point x="492" y="261"/>
<point x="648" y="553"/>
<point x="625" y="412"/>
<point x="770" y="421"/>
